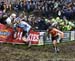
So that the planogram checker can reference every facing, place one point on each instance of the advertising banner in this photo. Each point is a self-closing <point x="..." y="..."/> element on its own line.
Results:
<point x="33" y="37"/>
<point x="41" y="38"/>
<point x="4" y="34"/>
<point x="72" y="35"/>
<point x="18" y="36"/>
<point x="67" y="36"/>
<point x="7" y="35"/>
<point x="47" y="38"/>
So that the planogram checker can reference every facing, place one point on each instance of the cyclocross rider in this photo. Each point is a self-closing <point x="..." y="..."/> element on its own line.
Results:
<point x="54" y="35"/>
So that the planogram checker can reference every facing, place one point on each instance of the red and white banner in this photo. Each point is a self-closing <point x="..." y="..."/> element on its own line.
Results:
<point x="7" y="35"/>
<point x="33" y="37"/>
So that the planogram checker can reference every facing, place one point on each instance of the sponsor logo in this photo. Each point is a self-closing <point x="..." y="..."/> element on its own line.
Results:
<point x="4" y="33"/>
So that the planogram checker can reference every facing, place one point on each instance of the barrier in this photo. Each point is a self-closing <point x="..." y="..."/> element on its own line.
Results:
<point x="7" y="35"/>
<point x="72" y="35"/>
<point x="41" y="38"/>
<point x="35" y="37"/>
<point x="68" y="36"/>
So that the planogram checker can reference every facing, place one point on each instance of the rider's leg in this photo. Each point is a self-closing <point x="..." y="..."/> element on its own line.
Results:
<point x="55" y="45"/>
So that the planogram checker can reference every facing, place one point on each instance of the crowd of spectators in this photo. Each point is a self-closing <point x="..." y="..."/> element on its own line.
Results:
<point x="37" y="11"/>
<point x="46" y="7"/>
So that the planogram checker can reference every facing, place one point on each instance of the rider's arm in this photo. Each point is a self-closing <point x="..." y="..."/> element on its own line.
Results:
<point x="61" y="33"/>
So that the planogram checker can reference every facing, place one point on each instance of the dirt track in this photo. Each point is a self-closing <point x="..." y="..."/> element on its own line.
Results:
<point x="9" y="52"/>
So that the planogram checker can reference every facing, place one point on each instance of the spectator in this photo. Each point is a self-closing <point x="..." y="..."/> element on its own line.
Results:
<point x="10" y="19"/>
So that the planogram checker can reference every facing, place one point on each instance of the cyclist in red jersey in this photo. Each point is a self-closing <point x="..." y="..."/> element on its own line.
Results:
<point x="55" y="35"/>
